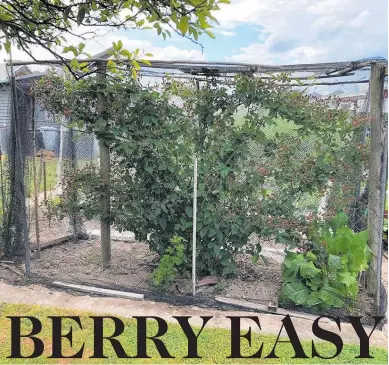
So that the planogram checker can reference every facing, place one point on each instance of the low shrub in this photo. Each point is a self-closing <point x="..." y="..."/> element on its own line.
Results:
<point x="168" y="265"/>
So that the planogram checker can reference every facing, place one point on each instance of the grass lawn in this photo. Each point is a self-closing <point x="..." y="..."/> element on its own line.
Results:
<point x="213" y="344"/>
<point x="51" y="174"/>
<point x="51" y="178"/>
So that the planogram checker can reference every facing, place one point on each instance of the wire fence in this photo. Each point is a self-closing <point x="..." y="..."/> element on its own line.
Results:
<point x="68" y="248"/>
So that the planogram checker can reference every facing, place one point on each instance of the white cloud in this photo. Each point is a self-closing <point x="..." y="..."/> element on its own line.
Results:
<point x="301" y="31"/>
<point x="360" y="20"/>
<point x="169" y="52"/>
<point x="224" y="32"/>
<point x="240" y="11"/>
<point x="103" y="41"/>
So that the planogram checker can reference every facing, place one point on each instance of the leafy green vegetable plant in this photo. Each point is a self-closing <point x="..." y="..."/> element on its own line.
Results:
<point x="326" y="275"/>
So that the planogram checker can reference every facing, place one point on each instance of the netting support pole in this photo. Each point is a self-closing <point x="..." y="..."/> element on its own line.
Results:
<point x="73" y="166"/>
<point x="378" y="308"/>
<point x="19" y="173"/>
<point x="194" y="243"/>
<point x="105" y="225"/>
<point x="375" y="218"/>
<point x="105" y="167"/>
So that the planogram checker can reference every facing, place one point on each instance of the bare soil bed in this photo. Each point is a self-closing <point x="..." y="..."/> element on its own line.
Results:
<point x="133" y="262"/>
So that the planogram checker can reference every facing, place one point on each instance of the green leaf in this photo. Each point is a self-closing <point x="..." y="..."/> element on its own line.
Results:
<point x="184" y="24"/>
<point x="254" y="258"/>
<point x="136" y="65"/>
<point x="347" y="279"/>
<point x="170" y="185"/>
<point x="146" y="62"/>
<point x="74" y="63"/>
<point x="71" y="49"/>
<point x="334" y="263"/>
<point x="284" y="238"/>
<point x="216" y="249"/>
<point x="297" y="292"/>
<point x="210" y="34"/>
<point x="81" y="15"/>
<point x="126" y="53"/>
<point x="313" y="299"/>
<point x="308" y="270"/>
<point x="224" y="171"/>
<point x="331" y="297"/>
<point x="264" y="259"/>
<point x="311" y="256"/>
<point x="287" y="274"/>
<point x="195" y="34"/>
<point x="111" y="64"/>
<point x="203" y="232"/>
<point x="189" y="211"/>
<point x="66" y="13"/>
<point x="162" y="223"/>
<point x="340" y="220"/>
<point x="7" y="46"/>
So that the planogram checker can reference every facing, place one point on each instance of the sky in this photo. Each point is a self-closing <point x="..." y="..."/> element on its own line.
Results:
<point x="270" y="32"/>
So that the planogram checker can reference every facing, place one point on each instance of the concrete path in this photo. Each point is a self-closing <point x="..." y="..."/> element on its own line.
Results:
<point x="36" y="294"/>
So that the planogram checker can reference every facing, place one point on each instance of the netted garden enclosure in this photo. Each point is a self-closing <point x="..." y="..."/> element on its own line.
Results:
<point x="203" y="182"/>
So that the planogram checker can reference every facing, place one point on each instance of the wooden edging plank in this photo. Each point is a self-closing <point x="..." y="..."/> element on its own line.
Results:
<point x="55" y="242"/>
<point x="101" y="291"/>
<point x="11" y="268"/>
<point x="264" y="308"/>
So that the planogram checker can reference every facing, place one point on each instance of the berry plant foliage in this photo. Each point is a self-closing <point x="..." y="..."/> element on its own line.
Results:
<point x="250" y="179"/>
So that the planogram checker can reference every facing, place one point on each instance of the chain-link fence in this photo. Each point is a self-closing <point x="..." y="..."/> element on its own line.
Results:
<point x="67" y="248"/>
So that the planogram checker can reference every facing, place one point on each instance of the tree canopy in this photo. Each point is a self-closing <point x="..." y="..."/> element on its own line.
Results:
<point x="61" y="26"/>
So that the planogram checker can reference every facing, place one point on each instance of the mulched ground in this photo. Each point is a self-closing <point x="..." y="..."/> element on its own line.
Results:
<point x="133" y="262"/>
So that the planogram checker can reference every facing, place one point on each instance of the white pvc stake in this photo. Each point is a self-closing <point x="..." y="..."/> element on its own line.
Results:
<point x="194" y="225"/>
